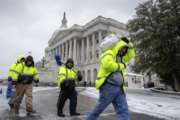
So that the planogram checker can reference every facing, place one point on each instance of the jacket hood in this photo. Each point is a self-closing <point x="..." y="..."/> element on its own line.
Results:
<point x="20" y="57"/>
<point x="121" y="44"/>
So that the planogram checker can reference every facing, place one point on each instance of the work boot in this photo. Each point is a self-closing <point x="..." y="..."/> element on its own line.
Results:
<point x="75" y="114"/>
<point x="61" y="115"/>
<point x="31" y="113"/>
<point x="11" y="106"/>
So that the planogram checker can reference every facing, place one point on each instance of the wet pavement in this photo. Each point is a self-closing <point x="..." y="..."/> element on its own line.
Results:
<point x="44" y="102"/>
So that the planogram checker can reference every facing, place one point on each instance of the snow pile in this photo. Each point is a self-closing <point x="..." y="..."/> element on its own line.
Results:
<point x="163" y="107"/>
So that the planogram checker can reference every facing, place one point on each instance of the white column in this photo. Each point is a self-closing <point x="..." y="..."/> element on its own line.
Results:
<point x="57" y="50"/>
<point x="100" y="40"/>
<point x="60" y="50"/>
<point x="66" y="52"/>
<point x="51" y="53"/>
<point x="93" y="47"/>
<point x="82" y="51"/>
<point x="62" y="54"/>
<point x="100" y="36"/>
<point x="78" y="51"/>
<point x="92" y="75"/>
<point x="54" y="52"/>
<point x="85" y="75"/>
<point x="70" y="49"/>
<point x="87" y="49"/>
<point x="74" y="50"/>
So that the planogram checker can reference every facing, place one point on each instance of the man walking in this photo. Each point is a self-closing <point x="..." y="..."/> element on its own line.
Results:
<point x="28" y="75"/>
<point x="66" y="82"/>
<point x="116" y="53"/>
<point x="12" y="80"/>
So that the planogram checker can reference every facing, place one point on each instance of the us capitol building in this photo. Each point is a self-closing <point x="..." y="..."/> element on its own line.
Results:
<point x="80" y="43"/>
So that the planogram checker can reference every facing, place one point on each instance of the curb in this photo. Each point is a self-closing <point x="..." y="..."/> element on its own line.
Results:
<point x="165" y="92"/>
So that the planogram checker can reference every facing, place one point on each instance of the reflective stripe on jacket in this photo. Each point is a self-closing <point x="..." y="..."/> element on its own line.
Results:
<point x="65" y="73"/>
<point x="28" y="71"/>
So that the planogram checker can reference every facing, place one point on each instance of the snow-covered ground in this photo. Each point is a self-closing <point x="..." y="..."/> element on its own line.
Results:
<point x="155" y="105"/>
<point x="139" y="100"/>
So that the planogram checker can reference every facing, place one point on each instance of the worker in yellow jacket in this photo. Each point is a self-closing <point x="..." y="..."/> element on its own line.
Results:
<point x="66" y="82"/>
<point x="12" y="79"/>
<point x="28" y="75"/>
<point x="111" y="76"/>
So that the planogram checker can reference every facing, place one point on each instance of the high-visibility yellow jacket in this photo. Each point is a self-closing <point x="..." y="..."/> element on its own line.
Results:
<point x="108" y="62"/>
<point x="65" y="73"/>
<point x="13" y="73"/>
<point x="25" y="70"/>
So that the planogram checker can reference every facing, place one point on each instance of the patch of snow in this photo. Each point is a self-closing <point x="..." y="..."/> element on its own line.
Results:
<point x="160" y="109"/>
<point x="37" y="89"/>
<point x="91" y="92"/>
<point x="165" y="107"/>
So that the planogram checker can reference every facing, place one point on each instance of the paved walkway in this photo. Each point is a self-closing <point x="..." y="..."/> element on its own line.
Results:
<point x="45" y="104"/>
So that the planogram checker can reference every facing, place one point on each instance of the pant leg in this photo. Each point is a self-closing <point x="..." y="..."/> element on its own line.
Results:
<point x="107" y="94"/>
<point x="120" y="106"/>
<point x="29" y="97"/>
<point x="9" y="88"/>
<point x="61" y="101"/>
<point x="73" y="101"/>
<point x="20" y="90"/>
<point x="12" y="98"/>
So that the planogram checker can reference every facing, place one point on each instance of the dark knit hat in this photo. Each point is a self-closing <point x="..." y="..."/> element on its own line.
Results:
<point x="70" y="60"/>
<point x="29" y="58"/>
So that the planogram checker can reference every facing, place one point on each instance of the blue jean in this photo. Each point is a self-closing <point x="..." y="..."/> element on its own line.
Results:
<point x="9" y="88"/>
<point x="111" y="94"/>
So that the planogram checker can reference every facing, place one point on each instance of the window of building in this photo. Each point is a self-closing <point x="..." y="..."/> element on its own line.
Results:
<point x="96" y="38"/>
<point x="89" y="76"/>
<point x="95" y="74"/>
<point x="104" y="34"/>
<point x="97" y="54"/>
<point x="90" y="40"/>
<point x="91" y="55"/>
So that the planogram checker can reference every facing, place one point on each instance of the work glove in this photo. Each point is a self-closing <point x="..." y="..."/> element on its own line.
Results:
<point x="122" y="66"/>
<point x="79" y="76"/>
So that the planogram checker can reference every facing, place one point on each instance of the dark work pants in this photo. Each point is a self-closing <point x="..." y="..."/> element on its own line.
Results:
<point x="63" y="96"/>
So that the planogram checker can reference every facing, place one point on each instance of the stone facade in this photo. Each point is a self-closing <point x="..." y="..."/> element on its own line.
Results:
<point x="81" y="43"/>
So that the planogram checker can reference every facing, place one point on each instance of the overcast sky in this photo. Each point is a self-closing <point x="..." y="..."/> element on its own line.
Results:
<point x="27" y="25"/>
